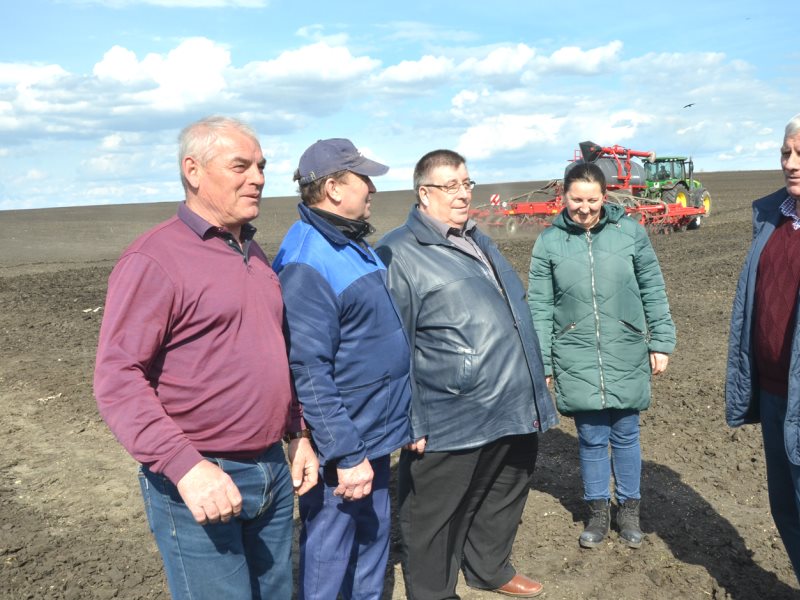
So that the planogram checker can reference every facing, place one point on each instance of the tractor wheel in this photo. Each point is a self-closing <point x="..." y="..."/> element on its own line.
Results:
<point x="677" y="195"/>
<point x="702" y="199"/>
<point x="512" y="224"/>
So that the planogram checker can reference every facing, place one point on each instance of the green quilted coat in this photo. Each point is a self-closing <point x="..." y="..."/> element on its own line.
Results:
<point x="599" y="306"/>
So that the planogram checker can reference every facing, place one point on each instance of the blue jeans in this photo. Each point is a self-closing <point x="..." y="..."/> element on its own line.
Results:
<point x="344" y="545"/>
<point x="595" y="430"/>
<point x="248" y="557"/>
<point x="783" y="477"/>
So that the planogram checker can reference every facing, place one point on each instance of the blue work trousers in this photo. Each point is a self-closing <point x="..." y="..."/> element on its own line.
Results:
<point x="344" y="544"/>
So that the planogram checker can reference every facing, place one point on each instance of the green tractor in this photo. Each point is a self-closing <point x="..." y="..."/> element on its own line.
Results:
<point x="670" y="179"/>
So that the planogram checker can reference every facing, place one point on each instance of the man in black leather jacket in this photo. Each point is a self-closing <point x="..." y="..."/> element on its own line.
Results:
<point x="479" y="392"/>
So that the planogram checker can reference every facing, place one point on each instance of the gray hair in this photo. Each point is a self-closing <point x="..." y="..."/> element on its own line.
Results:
<point x="792" y="127"/>
<point x="200" y="139"/>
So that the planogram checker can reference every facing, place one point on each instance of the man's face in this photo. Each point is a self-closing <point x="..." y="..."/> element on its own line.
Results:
<point x="451" y="209"/>
<point x="356" y="196"/>
<point x="790" y="163"/>
<point x="229" y="185"/>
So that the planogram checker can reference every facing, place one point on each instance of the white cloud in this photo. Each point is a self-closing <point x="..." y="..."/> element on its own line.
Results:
<point x="507" y="133"/>
<point x="120" y="64"/>
<point x="190" y="74"/>
<point x="106" y="165"/>
<point x="574" y="60"/>
<point x="769" y="146"/>
<point x="500" y="61"/>
<point x="315" y="62"/>
<point x="13" y="74"/>
<point x="609" y="128"/>
<point x="414" y="71"/>
<point x="416" y="32"/>
<point x="317" y="33"/>
<point x="467" y="97"/>
<point x="111" y="142"/>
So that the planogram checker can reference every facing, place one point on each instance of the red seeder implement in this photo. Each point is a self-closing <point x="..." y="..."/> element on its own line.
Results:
<point x="662" y="195"/>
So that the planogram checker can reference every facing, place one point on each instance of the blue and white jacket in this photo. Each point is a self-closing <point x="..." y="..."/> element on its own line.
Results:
<point x="348" y="351"/>
<point x="741" y="381"/>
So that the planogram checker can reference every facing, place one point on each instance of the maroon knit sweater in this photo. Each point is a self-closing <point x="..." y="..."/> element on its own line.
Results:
<point x="776" y="297"/>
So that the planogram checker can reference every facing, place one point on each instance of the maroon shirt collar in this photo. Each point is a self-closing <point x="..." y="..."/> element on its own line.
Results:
<point x="204" y="229"/>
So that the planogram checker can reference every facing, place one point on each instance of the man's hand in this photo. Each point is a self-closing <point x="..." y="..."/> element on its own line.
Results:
<point x="658" y="362"/>
<point x="210" y="494"/>
<point x="417" y="446"/>
<point x="354" y="483"/>
<point x="304" y="465"/>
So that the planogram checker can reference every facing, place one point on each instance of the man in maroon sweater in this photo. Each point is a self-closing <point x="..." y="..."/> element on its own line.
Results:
<point x="192" y="377"/>
<point x="763" y="378"/>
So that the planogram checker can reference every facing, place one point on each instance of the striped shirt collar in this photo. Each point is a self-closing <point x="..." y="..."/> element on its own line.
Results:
<point x="789" y="209"/>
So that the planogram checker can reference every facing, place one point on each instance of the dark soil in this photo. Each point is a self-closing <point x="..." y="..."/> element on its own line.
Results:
<point x="71" y="518"/>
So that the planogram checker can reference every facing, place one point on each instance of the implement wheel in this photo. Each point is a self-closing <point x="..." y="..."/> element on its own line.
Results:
<point x="512" y="224"/>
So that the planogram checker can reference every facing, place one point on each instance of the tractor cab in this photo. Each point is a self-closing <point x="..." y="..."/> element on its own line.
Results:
<point x="668" y="170"/>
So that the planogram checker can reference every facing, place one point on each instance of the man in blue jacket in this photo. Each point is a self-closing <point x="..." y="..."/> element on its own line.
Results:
<point x="480" y="396"/>
<point x="763" y="379"/>
<point x="350" y="362"/>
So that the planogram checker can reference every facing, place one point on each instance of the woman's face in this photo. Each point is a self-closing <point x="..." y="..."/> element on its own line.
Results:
<point x="584" y="200"/>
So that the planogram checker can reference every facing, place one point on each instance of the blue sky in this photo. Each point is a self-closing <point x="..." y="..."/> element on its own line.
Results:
<point x="94" y="92"/>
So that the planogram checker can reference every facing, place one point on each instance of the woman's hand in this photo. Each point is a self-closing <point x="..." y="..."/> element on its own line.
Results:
<point x="658" y="362"/>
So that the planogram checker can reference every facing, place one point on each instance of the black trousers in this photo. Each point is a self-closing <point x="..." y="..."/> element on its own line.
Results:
<point x="461" y="510"/>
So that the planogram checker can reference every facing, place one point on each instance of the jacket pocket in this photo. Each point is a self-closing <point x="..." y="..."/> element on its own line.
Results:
<point x="645" y="334"/>
<point x="468" y="368"/>
<point x="368" y="407"/>
<point x="449" y="371"/>
<point x="564" y="331"/>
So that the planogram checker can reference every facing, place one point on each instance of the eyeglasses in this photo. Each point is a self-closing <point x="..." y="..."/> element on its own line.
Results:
<point x="452" y="188"/>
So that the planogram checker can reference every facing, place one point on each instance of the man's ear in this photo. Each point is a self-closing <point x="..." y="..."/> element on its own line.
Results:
<point x="332" y="190"/>
<point x="191" y="171"/>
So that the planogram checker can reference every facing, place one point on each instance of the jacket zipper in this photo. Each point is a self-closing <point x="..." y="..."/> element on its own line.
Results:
<point x="596" y="321"/>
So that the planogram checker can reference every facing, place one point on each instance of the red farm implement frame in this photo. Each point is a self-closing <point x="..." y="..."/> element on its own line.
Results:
<point x="675" y="203"/>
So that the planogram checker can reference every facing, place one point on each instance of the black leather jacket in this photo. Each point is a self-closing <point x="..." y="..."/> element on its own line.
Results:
<point x="477" y="371"/>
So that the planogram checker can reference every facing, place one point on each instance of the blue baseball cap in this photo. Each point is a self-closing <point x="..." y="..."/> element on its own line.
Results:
<point x="324" y="157"/>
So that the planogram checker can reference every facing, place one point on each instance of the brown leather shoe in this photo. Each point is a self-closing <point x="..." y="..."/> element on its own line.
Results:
<point x="520" y="587"/>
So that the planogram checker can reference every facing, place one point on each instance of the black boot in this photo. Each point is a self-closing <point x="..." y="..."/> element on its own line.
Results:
<point x="597" y="528"/>
<point x="628" y="523"/>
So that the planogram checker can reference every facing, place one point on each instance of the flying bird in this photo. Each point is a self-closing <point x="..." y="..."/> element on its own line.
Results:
<point x="688" y="105"/>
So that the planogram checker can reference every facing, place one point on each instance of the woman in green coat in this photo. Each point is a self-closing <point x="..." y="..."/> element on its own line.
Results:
<point x="600" y="308"/>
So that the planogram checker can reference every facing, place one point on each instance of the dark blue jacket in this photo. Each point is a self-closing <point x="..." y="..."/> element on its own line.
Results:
<point x="741" y="381"/>
<point x="347" y="348"/>
<point x="477" y="368"/>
